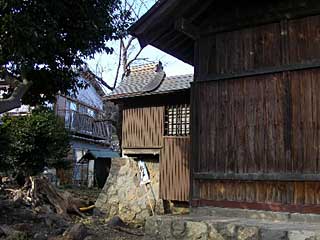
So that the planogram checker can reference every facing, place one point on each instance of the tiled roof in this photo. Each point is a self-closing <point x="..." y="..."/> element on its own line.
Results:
<point x="148" y="80"/>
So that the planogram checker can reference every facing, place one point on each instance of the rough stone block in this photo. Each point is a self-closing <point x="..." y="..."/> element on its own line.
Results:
<point x="228" y="231"/>
<point x="122" y="194"/>
<point x="248" y="233"/>
<point x="268" y="234"/>
<point x="196" y="230"/>
<point x="214" y="234"/>
<point x="301" y="235"/>
<point x="178" y="229"/>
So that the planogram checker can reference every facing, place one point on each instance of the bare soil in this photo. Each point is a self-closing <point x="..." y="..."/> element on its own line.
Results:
<point x="21" y="221"/>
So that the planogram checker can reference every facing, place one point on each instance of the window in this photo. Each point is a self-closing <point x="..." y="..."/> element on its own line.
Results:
<point x="88" y="111"/>
<point x="177" y="120"/>
<point x="71" y="105"/>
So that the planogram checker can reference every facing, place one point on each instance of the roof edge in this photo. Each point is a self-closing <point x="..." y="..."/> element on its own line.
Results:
<point x="147" y="15"/>
<point x="143" y="94"/>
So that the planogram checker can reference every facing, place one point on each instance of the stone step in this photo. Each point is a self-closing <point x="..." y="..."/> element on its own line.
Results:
<point x="255" y="214"/>
<point x="229" y="228"/>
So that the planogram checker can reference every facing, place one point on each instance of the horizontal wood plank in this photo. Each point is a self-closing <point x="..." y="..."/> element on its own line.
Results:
<point x="261" y="71"/>
<point x="256" y="176"/>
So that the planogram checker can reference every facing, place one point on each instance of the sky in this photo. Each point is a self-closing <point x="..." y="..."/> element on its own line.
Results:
<point x="105" y="65"/>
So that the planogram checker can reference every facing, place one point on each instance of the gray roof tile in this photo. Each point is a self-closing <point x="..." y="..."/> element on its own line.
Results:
<point x="141" y="78"/>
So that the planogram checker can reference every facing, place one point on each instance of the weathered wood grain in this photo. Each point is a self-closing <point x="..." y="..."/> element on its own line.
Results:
<point x="142" y="127"/>
<point x="257" y="138"/>
<point x="174" y="169"/>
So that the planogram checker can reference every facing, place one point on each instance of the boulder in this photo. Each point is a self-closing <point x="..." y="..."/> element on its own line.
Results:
<point x="123" y="195"/>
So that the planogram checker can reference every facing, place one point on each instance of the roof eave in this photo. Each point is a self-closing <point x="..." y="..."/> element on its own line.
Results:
<point x="143" y="29"/>
<point x="135" y="95"/>
<point x="145" y="19"/>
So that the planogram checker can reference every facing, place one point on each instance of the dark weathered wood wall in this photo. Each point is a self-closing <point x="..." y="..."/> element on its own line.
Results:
<point x="267" y="195"/>
<point x="256" y="110"/>
<point x="287" y="44"/>
<point x="266" y="124"/>
<point x="142" y="127"/>
<point x="174" y="169"/>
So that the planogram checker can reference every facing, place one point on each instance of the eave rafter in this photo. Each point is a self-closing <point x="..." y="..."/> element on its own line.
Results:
<point x="184" y="26"/>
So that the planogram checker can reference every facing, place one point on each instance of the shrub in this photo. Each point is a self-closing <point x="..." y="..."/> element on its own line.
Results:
<point x="33" y="142"/>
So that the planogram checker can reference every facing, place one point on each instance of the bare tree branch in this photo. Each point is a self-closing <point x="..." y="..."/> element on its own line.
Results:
<point x="14" y="101"/>
<point x="135" y="57"/>
<point x="104" y="83"/>
<point x="128" y="49"/>
<point x="118" y="67"/>
<point x="124" y="57"/>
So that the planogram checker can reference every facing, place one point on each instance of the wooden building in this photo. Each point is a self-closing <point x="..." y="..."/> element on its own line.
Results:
<point x="255" y="103"/>
<point x="156" y="124"/>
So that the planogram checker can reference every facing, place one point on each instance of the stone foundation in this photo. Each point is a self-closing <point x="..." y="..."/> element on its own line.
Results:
<point x="122" y="194"/>
<point x="241" y="225"/>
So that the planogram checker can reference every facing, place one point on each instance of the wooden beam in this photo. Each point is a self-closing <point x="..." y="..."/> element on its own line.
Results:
<point x="184" y="26"/>
<point x="207" y="29"/>
<point x="262" y="71"/>
<point x="256" y="176"/>
<point x="137" y="151"/>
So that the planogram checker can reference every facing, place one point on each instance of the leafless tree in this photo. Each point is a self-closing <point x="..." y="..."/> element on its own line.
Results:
<point x="128" y="49"/>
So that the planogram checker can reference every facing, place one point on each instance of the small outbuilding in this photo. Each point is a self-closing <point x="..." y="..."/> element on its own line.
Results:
<point x="155" y="112"/>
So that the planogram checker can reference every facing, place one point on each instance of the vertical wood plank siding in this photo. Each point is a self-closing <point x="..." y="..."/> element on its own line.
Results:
<point x="174" y="169"/>
<point x="241" y="125"/>
<point x="260" y="124"/>
<point x="265" y="124"/>
<point x="288" y="42"/>
<point x="143" y="127"/>
<point x="244" y="50"/>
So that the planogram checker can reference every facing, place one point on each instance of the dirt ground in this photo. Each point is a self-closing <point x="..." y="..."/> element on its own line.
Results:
<point x="19" y="221"/>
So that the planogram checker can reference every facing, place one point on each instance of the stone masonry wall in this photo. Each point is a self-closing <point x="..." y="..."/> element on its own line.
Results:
<point x="122" y="194"/>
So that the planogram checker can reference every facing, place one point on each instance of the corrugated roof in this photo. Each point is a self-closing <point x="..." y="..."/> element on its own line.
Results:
<point x="148" y="80"/>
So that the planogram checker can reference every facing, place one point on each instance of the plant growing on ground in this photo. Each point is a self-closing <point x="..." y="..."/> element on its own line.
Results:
<point x="35" y="141"/>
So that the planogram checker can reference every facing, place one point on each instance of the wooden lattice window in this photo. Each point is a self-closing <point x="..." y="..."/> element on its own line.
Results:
<point x="177" y="120"/>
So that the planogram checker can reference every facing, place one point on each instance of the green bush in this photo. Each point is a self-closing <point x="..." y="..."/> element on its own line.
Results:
<point x="33" y="142"/>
